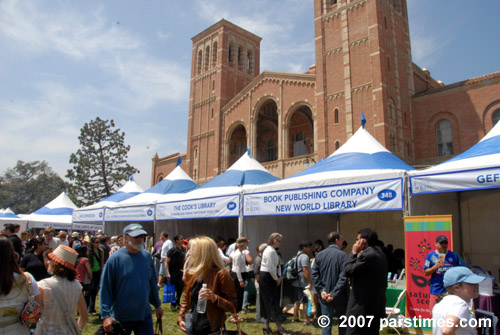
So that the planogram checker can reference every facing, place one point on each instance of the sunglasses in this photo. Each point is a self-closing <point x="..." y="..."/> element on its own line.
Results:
<point x="444" y="242"/>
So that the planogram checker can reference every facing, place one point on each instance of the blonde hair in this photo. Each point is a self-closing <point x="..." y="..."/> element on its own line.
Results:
<point x="272" y="237"/>
<point x="204" y="256"/>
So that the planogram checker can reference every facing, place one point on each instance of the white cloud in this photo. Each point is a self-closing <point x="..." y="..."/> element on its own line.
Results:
<point x="64" y="31"/>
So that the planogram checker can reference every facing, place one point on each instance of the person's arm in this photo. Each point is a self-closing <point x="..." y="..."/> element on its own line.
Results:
<point x="451" y="324"/>
<point x="81" y="307"/>
<point x="356" y="263"/>
<point x="316" y="277"/>
<point x="101" y="252"/>
<point x="237" y="266"/>
<point x="248" y="258"/>
<point x="89" y="271"/>
<point x="430" y="268"/>
<point x="167" y="273"/>
<point x="307" y="276"/>
<point x="106" y="297"/>
<point x="153" y="292"/>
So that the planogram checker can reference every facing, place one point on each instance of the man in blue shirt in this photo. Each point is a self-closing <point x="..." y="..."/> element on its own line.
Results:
<point x="436" y="264"/>
<point x="128" y="285"/>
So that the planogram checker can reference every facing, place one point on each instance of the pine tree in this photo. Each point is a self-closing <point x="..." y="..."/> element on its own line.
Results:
<point x="100" y="165"/>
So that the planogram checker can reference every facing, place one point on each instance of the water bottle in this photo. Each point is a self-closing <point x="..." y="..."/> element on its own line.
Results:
<point x="201" y="306"/>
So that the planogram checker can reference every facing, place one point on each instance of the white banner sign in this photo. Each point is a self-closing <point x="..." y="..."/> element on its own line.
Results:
<point x="132" y="213"/>
<point x="357" y="197"/>
<point x="456" y="181"/>
<point x="86" y="227"/>
<point x="88" y="215"/>
<point x="223" y="206"/>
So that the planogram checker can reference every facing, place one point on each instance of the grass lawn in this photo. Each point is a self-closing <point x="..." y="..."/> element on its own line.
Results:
<point x="249" y="326"/>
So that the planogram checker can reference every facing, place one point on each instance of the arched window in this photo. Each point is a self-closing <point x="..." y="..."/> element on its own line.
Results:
<point x="337" y="145"/>
<point x="270" y="150"/>
<point x="240" y="56"/>
<point x="195" y="152"/>
<point x="393" y="143"/>
<point x="336" y="115"/>
<point x="230" y="53"/>
<point x="207" y="58"/>
<point x="299" y="144"/>
<point x="214" y="54"/>
<point x="249" y="60"/>
<point x="392" y="111"/>
<point x="200" y="60"/>
<point x="195" y="174"/>
<point x="496" y="117"/>
<point x="212" y="113"/>
<point x="444" y="138"/>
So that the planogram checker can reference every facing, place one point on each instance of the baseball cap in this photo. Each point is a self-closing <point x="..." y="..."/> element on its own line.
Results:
<point x="460" y="274"/>
<point x="134" y="230"/>
<point x="441" y="238"/>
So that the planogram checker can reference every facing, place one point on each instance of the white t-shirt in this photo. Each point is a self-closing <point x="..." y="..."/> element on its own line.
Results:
<point x="455" y="306"/>
<point x="167" y="245"/>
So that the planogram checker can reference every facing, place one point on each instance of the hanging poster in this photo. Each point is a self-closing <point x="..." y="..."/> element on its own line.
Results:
<point x="420" y="240"/>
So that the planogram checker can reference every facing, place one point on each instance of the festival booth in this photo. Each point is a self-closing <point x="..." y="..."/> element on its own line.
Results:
<point x="467" y="187"/>
<point x="142" y="207"/>
<point x="214" y="208"/>
<point x="57" y="214"/>
<point x="92" y="217"/>
<point x="359" y="185"/>
<point x="8" y="216"/>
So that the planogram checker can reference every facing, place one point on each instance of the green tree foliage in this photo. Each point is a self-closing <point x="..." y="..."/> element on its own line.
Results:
<point x="100" y="165"/>
<point x="29" y="186"/>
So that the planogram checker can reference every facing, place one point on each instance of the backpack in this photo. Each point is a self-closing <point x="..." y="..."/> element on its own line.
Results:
<point x="290" y="270"/>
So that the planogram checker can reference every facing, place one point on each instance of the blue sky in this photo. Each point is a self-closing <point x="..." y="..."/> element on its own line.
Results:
<point x="63" y="63"/>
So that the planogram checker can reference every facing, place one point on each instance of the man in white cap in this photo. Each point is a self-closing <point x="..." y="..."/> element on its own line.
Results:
<point x="452" y="315"/>
<point x="128" y="285"/>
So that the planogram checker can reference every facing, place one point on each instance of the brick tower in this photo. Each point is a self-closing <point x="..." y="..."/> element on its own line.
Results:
<point x="225" y="59"/>
<point x="363" y="63"/>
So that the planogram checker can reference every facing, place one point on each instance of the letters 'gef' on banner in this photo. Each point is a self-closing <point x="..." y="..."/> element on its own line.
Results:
<point x="420" y="240"/>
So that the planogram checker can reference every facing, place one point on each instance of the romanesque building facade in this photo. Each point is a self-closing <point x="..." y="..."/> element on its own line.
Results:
<point x="363" y="63"/>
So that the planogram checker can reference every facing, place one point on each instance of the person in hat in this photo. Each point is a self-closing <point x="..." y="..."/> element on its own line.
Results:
<point x="452" y="314"/>
<point x="61" y="296"/>
<point x="128" y="285"/>
<point x="436" y="264"/>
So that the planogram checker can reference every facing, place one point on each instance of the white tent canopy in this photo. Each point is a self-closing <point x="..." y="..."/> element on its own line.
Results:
<point x="220" y="197"/>
<point x="142" y="206"/>
<point x="57" y="213"/>
<point x="95" y="213"/>
<point x="360" y="176"/>
<point x="476" y="168"/>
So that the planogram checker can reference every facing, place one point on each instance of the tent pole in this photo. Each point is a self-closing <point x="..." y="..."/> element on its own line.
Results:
<point x="460" y="230"/>
<point x="407" y="196"/>
<point x="240" y="216"/>
<point x="338" y="222"/>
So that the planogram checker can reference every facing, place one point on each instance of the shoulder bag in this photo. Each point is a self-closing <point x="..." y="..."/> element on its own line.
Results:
<point x="32" y="312"/>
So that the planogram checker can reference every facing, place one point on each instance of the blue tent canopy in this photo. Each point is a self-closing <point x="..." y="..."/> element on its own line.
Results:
<point x="476" y="168"/>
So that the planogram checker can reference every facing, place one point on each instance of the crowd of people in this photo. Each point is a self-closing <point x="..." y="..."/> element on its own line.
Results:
<point x="68" y="273"/>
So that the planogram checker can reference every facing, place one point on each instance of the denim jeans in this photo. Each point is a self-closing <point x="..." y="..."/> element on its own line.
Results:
<point x="328" y="309"/>
<point x="139" y="327"/>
